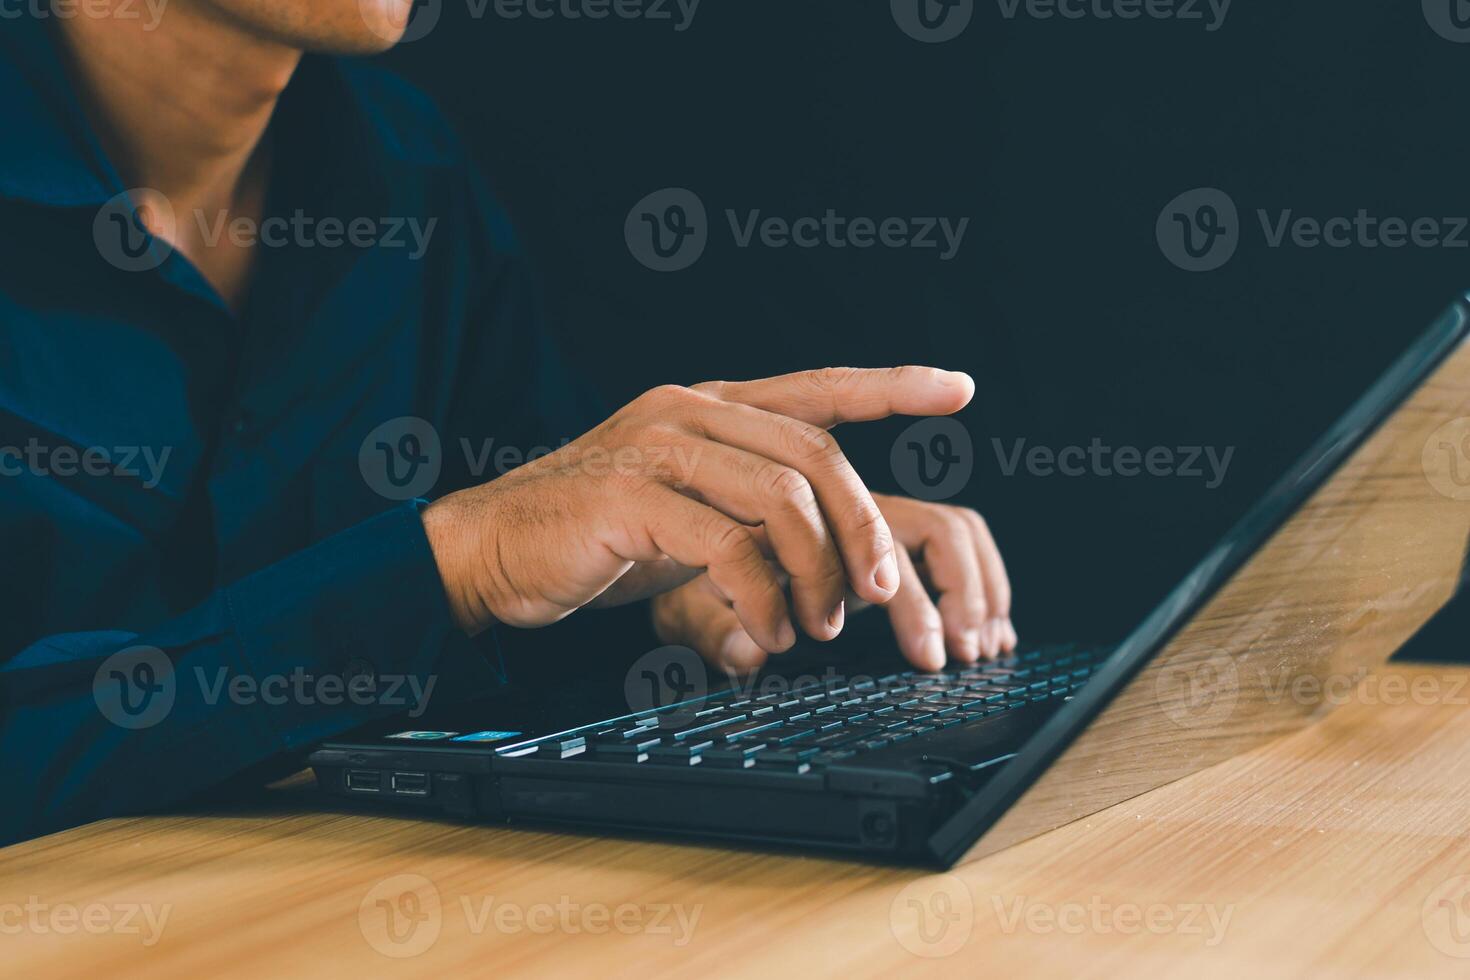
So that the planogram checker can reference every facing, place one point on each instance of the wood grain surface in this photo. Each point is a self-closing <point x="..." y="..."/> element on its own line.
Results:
<point x="1339" y="850"/>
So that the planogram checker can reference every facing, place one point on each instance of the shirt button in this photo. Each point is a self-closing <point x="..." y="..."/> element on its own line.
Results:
<point x="239" y="425"/>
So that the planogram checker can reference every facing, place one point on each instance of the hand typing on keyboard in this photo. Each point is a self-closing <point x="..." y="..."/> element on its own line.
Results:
<point x="742" y="485"/>
<point x="947" y="549"/>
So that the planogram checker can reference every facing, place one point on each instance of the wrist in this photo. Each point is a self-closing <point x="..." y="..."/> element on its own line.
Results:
<point x="455" y="540"/>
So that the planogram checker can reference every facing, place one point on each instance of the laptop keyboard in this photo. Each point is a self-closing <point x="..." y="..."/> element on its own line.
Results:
<point x="826" y="721"/>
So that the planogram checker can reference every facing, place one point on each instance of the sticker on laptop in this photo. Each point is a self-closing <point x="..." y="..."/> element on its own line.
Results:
<point x="487" y="736"/>
<point x="423" y="736"/>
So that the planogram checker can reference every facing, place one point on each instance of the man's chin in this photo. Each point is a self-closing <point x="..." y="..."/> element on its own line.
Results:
<point x="348" y="27"/>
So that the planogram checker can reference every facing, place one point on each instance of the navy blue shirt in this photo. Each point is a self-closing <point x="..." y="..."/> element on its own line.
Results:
<point x="207" y="563"/>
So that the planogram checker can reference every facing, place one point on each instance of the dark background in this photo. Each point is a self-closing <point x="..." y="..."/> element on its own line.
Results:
<point x="1061" y="141"/>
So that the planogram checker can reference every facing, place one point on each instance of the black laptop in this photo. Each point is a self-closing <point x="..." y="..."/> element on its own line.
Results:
<point x="1341" y="562"/>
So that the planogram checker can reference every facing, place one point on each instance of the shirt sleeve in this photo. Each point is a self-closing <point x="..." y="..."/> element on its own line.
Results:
<point x="350" y="630"/>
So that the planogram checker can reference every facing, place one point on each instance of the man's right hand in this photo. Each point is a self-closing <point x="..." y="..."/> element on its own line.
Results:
<point x="719" y="478"/>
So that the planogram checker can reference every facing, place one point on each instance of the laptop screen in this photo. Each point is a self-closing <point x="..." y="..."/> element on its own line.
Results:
<point x="1342" y="562"/>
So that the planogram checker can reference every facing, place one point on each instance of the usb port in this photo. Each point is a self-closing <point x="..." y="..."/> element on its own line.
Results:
<point x="364" y="780"/>
<point x="411" y="783"/>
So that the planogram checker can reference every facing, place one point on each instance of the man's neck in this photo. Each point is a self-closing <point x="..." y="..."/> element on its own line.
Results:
<point x="183" y="109"/>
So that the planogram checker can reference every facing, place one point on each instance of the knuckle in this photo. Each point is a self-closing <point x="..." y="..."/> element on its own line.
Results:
<point x="830" y="378"/>
<point x="786" y="484"/>
<point x="731" y="542"/>
<point x="811" y="443"/>
<point x="665" y="396"/>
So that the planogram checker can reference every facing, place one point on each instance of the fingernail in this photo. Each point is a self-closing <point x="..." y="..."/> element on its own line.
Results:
<point x="838" y="617"/>
<point x="957" y="379"/>
<point x="1011" y="635"/>
<point x="786" y="635"/>
<point x="970" y="645"/>
<point x="886" y="578"/>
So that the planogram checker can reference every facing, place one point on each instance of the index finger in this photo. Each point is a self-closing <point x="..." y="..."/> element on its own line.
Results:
<point x="831" y="396"/>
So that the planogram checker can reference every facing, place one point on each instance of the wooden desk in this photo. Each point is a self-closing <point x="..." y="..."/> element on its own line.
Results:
<point x="1338" y="850"/>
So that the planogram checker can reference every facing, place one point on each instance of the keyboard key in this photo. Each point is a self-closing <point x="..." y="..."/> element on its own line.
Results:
<point x="752" y="727"/>
<point x="741" y="755"/>
<point x="684" y="753"/>
<point x="791" y="759"/>
<point x="785" y="736"/>
<point x="708" y="726"/>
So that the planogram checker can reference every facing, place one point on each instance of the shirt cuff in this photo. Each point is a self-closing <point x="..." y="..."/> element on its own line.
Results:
<point x="355" y="628"/>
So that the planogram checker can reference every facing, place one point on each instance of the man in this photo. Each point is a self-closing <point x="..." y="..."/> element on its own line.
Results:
<point x="160" y="618"/>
